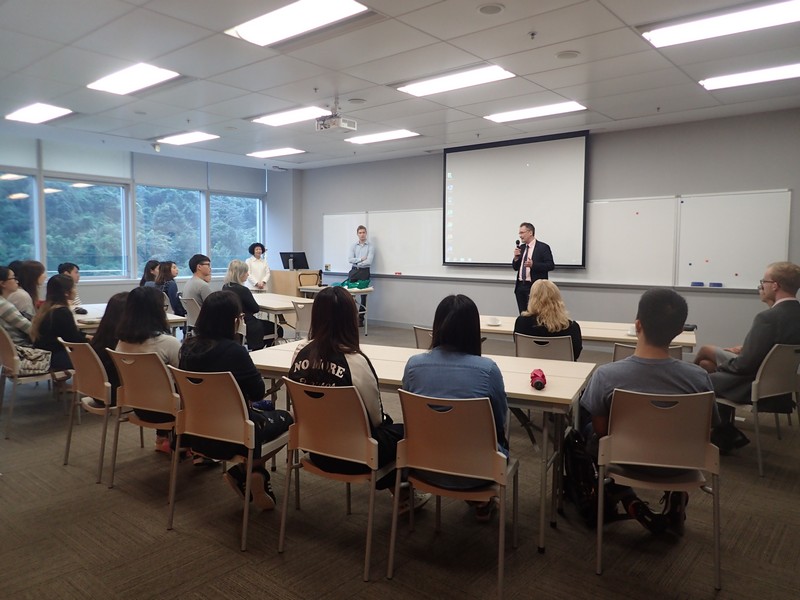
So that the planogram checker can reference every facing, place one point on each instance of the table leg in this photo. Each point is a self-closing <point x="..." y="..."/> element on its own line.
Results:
<point x="543" y="484"/>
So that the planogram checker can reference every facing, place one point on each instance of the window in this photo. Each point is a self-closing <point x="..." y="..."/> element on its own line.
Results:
<point x="85" y="224"/>
<point x="17" y="202"/>
<point x="169" y="225"/>
<point x="235" y="222"/>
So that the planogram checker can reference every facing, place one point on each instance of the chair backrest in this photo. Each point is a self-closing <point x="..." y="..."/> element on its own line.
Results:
<point x="661" y="429"/>
<point x="213" y="407"/>
<point x="456" y="437"/>
<point x="423" y="337"/>
<point x="90" y="377"/>
<point x="8" y="353"/>
<point x="145" y="382"/>
<point x="168" y="305"/>
<point x="192" y="310"/>
<point x="778" y="372"/>
<point x="309" y="278"/>
<point x="625" y="350"/>
<point x="303" y="312"/>
<point x="331" y="421"/>
<point x="554" y="348"/>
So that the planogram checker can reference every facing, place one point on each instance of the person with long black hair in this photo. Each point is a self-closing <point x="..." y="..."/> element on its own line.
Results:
<point x="214" y="348"/>
<point x="150" y="272"/>
<point x="55" y="320"/>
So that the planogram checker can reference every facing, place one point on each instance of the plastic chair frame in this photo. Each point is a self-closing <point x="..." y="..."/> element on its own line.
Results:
<point x="331" y="421"/>
<point x="302" y="312"/>
<point x="423" y="337"/>
<point x="776" y="376"/>
<point x="89" y="383"/>
<point x="9" y="369"/>
<point x="671" y="432"/>
<point x="454" y="437"/>
<point x="192" y="310"/>
<point x="145" y="383"/>
<point x="534" y="346"/>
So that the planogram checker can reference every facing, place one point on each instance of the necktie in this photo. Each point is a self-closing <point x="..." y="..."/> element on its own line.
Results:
<point x="522" y="271"/>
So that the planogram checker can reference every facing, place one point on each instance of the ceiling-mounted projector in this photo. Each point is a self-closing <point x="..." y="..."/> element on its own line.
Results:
<point x="336" y="123"/>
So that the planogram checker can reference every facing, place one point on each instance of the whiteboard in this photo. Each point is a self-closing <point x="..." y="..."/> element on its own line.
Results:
<point x="407" y="242"/>
<point x="338" y="236"/>
<point x="631" y="241"/>
<point x="731" y="238"/>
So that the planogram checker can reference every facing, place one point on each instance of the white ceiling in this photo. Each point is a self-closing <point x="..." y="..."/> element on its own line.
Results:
<point x="50" y="50"/>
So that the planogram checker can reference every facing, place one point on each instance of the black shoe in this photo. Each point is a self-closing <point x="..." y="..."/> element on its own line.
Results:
<point x="724" y="437"/>
<point x="675" y="510"/>
<point x="651" y="521"/>
<point x="260" y="487"/>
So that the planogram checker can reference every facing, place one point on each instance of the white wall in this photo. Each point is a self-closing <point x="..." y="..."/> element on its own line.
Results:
<point x="754" y="152"/>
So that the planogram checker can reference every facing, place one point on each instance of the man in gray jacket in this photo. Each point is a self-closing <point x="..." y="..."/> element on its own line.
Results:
<point x="733" y="370"/>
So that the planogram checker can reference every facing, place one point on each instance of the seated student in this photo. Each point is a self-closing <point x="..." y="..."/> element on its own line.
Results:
<point x="150" y="272"/>
<point x="214" y="348"/>
<point x="454" y="368"/>
<point x="197" y="287"/>
<point x="165" y="283"/>
<point x="143" y="328"/>
<point x="105" y="338"/>
<point x="55" y="320"/>
<point x="74" y="271"/>
<point x="660" y="317"/>
<point x="30" y="274"/>
<point x="546" y="316"/>
<point x="14" y="322"/>
<point x="332" y="357"/>
<point x="733" y="370"/>
<point x="256" y="329"/>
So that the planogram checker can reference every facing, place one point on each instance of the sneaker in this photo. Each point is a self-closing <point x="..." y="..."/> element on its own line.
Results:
<point x="420" y="499"/>
<point x="675" y="510"/>
<point x="262" y="494"/>
<point x="651" y="521"/>
<point x="485" y="510"/>
<point x="162" y="445"/>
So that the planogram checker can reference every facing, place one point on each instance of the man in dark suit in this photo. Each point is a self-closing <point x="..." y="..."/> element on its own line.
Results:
<point x="532" y="260"/>
<point x="732" y="371"/>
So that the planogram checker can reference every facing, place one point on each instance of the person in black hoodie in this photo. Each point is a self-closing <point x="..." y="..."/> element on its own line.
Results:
<point x="256" y="329"/>
<point x="214" y="348"/>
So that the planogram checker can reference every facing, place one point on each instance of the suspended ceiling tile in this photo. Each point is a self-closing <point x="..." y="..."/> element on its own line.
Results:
<point x="75" y="66"/>
<point x="609" y="68"/>
<point x="60" y="21"/>
<point x="19" y="50"/>
<point x="651" y="102"/>
<point x="265" y="74"/>
<point x="196" y="94"/>
<point x="212" y="56"/>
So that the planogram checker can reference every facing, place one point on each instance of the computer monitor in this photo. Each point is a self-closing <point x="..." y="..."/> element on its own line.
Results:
<point x="299" y="260"/>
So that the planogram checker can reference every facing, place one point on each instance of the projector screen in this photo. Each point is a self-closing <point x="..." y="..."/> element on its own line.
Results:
<point x="490" y="189"/>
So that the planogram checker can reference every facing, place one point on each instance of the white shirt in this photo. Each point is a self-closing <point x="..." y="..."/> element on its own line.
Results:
<point x="257" y="271"/>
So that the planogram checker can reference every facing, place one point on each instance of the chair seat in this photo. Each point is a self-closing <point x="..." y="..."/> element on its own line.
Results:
<point x="478" y="494"/>
<point x="661" y="479"/>
<point x="309" y="466"/>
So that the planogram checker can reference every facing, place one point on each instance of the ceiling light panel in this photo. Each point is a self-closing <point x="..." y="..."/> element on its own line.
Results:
<point x="535" y="112"/>
<point x="295" y="19"/>
<point x="132" y="79"/>
<point x="293" y="116"/>
<point x="745" y="20"/>
<point x="187" y="138"/>
<point x="456" y="81"/>
<point x="38" y="113"/>
<point x="751" y="77"/>
<point x="276" y="152"/>
<point x="381" y="137"/>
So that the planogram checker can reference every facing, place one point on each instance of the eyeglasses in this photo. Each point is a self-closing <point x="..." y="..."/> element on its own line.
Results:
<point x="204" y="264"/>
<point x="11" y="279"/>
<point x="761" y="282"/>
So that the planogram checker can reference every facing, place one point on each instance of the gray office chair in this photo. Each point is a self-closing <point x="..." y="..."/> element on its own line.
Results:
<point x="554" y="348"/>
<point x="423" y="337"/>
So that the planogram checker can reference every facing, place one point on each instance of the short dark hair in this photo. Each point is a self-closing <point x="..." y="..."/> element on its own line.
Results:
<point x="254" y="245"/>
<point x="360" y="227"/>
<point x="66" y="268"/>
<point x="4" y="271"/>
<point x="528" y="226"/>
<point x="662" y="313"/>
<point x="196" y="260"/>
<point x="457" y="325"/>
<point x="144" y="316"/>
<point x="217" y="319"/>
<point x="334" y="323"/>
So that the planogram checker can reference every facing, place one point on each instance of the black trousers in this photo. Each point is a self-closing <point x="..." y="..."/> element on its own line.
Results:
<point x="522" y="290"/>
